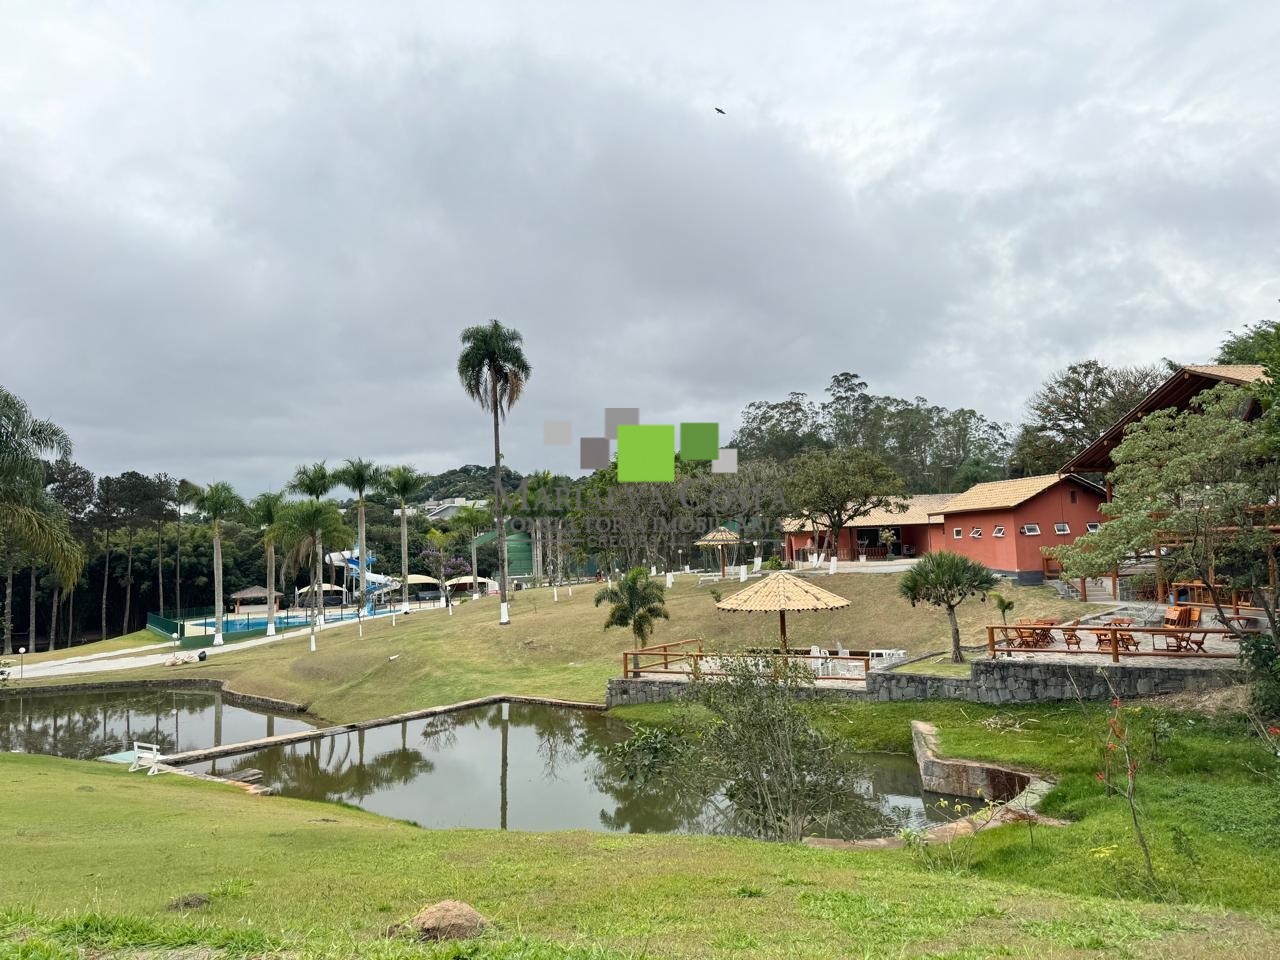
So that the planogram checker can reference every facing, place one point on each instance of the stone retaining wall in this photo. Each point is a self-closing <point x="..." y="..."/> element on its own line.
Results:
<point x="200" y="684"/>
<point x="990" y="681"/>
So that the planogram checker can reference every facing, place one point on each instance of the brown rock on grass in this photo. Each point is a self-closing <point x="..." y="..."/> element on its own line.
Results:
<point x="446" y="920"/>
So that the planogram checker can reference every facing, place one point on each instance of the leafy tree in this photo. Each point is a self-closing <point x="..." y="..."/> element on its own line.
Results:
<point x="472" y="520"/>
<point x="442" y="562"/>
<point x="637" y="601"/>
<point x="831" y="488"/>
<point x="1257" y="343"/>
<point x="219" y="503"/>
<point x="946" y="579"/>
<point x="472" y="482"/>
<point x="1004" y="606"/>
<point x="28" y="521"/>
<point x="1200" y="484"/>
<point x="136" y="501"/>
<point x="493" y="370"/>
<point x="360" y="476"/>
<point x="403" y="483"/>
<point x="779" y="431"/>
<point x="1074" y="407"/>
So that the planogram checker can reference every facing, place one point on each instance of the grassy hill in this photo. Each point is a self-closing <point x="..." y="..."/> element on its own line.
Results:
<point x="561" y="649"/>
<point x="102" y="853"/>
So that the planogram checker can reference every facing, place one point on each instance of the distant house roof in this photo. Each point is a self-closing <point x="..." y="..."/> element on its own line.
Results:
<point x="919" y="509"/>
<point x="1175" y="392"/>
<point x="1005" y="494"/>
<point x="249" y="593"/>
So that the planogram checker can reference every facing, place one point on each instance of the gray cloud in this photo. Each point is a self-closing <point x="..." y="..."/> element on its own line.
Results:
<point x="234" y="240"/>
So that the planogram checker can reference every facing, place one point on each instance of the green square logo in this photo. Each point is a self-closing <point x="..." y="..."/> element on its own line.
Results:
<point x="699" y="441"/>
<point x="646" y="452"/>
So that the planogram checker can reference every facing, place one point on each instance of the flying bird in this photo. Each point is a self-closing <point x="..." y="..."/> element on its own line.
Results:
<point x="718" y="110"/>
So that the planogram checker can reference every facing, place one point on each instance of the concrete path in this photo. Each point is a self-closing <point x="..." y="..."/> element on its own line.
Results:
<point x="120" y="659"/>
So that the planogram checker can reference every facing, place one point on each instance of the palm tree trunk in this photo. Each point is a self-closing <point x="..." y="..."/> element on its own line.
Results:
<point x="365" y="602"/>
<point x="217" y="584"/>
<point x="317" y="594"/>
<point x="71" y="611"/>
<point x="128" y="586"/>
<point x="177" y="570"/>
<point x="31" y="620"/>
<point x="956" y="655"/>
<point x="160" y="563"/>
<point x="404" y="557"/>
<point x="497" y="504"/>
<point x="475" y="582"/>
<point x="106" y="579"/>
<point x="53" y="617"/>
<point x="271" y="588"/>
<point x="8" y="609"/>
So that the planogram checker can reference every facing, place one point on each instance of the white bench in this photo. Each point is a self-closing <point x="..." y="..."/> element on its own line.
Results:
<point x="149" y="752"/>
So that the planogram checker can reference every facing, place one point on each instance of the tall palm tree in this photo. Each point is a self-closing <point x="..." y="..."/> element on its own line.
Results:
<point x="27" y="519"/>
<point x="219" y="503"/>
<point x="315" y="481"/>
<point x="404" y="483"/>
<point x="473" y="520"/>
<point x="360" y="476"/>
<point x="946" y="579"/>
<point x="265" y="510"/>
<point x="182" y="495"/>
<point x="493" y="370"/>
<point x="637" y="601"/>
<point x="302" y="528"/>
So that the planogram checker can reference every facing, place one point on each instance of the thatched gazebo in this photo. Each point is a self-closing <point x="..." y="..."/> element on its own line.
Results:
<point x="778" y="593"/>
<point x="249" y="593"/>
<point x="720" y="537"/>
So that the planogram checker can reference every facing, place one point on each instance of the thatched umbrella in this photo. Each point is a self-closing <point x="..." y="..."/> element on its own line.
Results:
<point x="719" y="537"/>
<point x="780" y="592"/>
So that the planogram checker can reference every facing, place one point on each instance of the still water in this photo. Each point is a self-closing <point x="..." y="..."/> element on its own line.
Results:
<point x="543" y="768"/>
<point x="88" y="725"/>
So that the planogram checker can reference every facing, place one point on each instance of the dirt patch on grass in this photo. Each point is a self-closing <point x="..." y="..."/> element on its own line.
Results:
<point x="1225" y="701"/>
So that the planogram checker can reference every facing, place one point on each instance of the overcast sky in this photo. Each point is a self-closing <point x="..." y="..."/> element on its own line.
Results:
<point x="235" y="237"/>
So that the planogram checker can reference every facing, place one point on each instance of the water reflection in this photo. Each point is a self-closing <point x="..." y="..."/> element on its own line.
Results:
<point x="89" y="725"/>
<point x="528" y="767"/>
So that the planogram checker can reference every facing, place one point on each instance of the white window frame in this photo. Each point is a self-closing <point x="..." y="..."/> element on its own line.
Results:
<point x="1062" y="529"/>
<point x="1030" y="529"/>
<point x="976" y="533"/>
<point x="998" y="531"/>
<point x="1093" y="526"/>
<point x="957" y="533"/>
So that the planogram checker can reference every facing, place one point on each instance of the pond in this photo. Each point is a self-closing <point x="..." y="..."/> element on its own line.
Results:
<point x="88" y="725"/>
<point x="539" y="768"/>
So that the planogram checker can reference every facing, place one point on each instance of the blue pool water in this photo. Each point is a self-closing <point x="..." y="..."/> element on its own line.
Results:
<point x="233" y="623"/>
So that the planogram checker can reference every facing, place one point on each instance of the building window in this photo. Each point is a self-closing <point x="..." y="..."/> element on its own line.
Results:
<point x="998" y="531"/>
<point x="976" y="533"/>
<point x="1030" y="529"/>
<point x="1093" y="526"/>
<point x="1061" y="529"/>
<point x="1073" y="496"/>
<point x="957" y="533"/>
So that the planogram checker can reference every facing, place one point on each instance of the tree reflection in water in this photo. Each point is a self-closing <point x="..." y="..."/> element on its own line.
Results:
<point x="85" y="726"/>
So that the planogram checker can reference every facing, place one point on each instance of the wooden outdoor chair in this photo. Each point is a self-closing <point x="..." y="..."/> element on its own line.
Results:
<point x="1195" y="641"/>
<point x="1126" y="640"/>
<point x="1177" y="617"/>
<point x="1027" y="637"/>
<point x="1070" y="637"/>
<point x="1175" y="642"/>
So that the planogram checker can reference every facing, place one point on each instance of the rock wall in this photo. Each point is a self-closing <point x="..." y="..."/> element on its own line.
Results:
<point x="990" y="681"/>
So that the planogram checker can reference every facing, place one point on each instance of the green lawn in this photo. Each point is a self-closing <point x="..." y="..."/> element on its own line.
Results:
<point x="561" y="649"/>
<point x="1210" y="800"/>
<point x="99" y="853"/>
